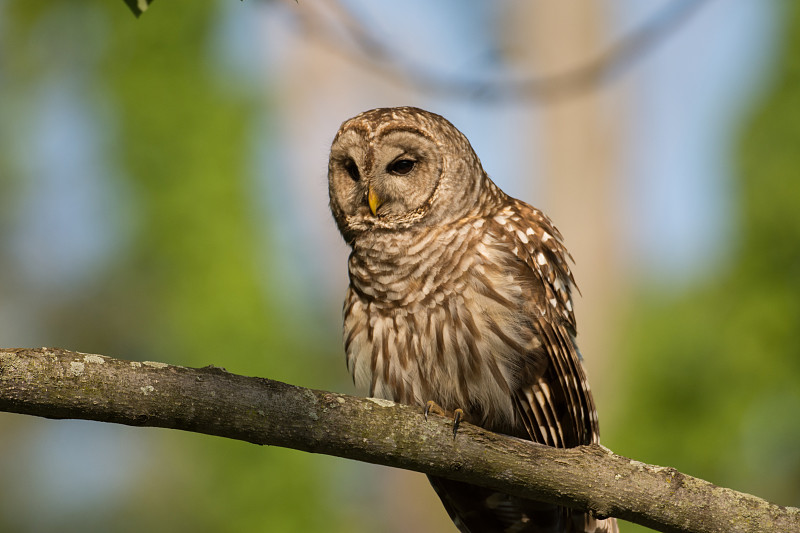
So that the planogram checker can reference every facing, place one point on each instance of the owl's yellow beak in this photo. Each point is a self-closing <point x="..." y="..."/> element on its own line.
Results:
<point x="374" y="201"/>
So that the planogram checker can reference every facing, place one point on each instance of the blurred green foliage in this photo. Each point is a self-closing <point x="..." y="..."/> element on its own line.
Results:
<point x="712" y="374"/>
<point x="194" y="285"/>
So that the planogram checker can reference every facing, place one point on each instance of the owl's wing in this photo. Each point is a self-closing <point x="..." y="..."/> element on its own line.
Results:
<point x="551" y="397"/>
<point x="555" y="405"/>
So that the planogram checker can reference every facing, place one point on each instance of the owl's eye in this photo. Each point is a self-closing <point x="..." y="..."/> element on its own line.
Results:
<point x="401" y="166"/>
<point x="352" y="169"/>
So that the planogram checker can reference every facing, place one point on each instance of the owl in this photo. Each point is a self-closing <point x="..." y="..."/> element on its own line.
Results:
<point x="459" y="298"/>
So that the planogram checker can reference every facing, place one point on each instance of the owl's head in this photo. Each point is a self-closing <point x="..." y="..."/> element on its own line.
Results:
<point x="394" y="168"/>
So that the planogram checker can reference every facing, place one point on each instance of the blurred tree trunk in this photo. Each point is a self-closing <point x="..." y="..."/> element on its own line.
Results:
<point x="580" y="164"/>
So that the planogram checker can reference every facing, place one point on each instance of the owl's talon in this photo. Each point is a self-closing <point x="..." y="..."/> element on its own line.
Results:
<point x="458" y="415"/>
<point x="433" y="407"/>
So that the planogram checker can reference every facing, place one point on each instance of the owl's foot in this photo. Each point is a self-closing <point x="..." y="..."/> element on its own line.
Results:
<point x="433" y="407"/>
<point x="458" y="414"/>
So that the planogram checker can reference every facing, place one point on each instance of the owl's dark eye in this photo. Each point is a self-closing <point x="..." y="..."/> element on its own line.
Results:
<point x="401" y="166"/>
<point x="352" y="169"/>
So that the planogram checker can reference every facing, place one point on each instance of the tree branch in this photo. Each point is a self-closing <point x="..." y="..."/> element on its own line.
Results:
<point x="55" y="383"/>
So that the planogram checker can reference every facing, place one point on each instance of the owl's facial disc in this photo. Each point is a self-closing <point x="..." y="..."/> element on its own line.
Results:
<point x="385" y="179"/>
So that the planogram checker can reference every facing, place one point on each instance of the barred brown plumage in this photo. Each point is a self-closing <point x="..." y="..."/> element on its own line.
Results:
<point x="460" y="295"/>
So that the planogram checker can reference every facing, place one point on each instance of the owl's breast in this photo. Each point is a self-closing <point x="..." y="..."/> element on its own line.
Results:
<point x="416" y="266"/>
<point x="430" y="330"/>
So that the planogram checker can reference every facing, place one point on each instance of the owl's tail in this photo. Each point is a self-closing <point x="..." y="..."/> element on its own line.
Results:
<point x="476" y="509"/>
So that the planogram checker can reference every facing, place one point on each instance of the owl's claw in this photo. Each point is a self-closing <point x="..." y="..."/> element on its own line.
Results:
<point x="458" y="414"/>
<point x="433" y="407"/>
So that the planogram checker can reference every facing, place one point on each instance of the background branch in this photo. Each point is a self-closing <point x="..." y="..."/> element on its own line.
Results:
<point x="361" y="45"/>
<point x="347" y="33"/>
<point x="55" y="383"/>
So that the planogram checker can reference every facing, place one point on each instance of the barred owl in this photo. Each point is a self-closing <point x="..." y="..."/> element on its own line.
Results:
<point x="459" y="295"/>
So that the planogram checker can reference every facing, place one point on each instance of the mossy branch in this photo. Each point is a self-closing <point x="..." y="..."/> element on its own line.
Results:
<point x="55" y="383"/>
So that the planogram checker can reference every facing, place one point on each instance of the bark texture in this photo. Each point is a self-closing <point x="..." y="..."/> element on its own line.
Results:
<point x="55" y="383"/>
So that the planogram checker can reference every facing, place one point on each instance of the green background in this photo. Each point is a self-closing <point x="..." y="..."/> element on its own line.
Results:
<point x="712" y="372"/>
